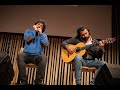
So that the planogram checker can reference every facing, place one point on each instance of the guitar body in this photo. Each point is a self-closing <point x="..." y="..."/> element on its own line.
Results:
<point x="67" y="57"/>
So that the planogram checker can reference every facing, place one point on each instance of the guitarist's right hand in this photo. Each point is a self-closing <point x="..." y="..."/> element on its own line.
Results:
<point x="70" y="48"/>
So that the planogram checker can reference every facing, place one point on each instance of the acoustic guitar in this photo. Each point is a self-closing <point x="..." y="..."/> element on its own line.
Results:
<point x="80" y="49"/>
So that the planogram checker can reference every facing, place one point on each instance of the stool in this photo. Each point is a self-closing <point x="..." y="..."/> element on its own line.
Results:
<point x="31" y="72"/>
<point x="87" y="74"/>
<point x="31" y="65"/>
<point x="88" y="69"/>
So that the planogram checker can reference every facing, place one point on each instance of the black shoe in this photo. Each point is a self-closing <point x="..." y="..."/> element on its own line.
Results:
<point x="78" y="84"/>
<point x="23" y="83"/>
<point x="92" y="83"/>
<point x="38" y="83"/>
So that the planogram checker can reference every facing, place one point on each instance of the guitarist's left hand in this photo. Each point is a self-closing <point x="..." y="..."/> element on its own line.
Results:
<point x="101" y="44"/>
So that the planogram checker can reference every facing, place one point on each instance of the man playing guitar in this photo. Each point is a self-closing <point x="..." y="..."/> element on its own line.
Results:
<point x="82" y="51"/>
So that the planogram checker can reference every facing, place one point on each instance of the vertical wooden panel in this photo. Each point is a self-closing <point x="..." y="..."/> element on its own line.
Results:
<point x="46" y="52"/>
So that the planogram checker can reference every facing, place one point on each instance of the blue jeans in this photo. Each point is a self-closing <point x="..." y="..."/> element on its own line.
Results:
<point x="39" y="60"/>
<point x="78" y="62"/>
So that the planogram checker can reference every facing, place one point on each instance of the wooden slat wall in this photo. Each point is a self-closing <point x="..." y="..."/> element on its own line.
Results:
<point x="57" y="72"/>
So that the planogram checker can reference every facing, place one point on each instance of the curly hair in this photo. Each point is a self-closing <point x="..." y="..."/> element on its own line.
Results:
<point x="44" y="25"/>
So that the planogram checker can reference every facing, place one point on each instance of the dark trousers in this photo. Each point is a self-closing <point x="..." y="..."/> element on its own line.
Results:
<point x="38" y="60"/>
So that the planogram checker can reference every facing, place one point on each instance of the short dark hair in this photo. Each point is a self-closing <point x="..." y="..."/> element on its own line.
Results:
<point x="44" y="25"/>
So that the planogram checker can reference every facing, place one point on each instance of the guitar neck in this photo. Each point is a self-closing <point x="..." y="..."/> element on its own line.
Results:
<point x="108" y="40"/>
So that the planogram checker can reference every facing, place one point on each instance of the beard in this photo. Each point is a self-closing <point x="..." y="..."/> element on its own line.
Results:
<point x="86" y="38"/>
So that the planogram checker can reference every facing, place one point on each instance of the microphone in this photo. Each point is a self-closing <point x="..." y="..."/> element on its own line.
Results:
<point x="37" y="33"/>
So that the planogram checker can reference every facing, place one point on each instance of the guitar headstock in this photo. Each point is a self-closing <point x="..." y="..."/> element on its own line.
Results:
<point x="109" y="40"/>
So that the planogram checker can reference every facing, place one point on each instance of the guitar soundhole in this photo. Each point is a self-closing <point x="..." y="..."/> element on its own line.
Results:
<point x="77" y="49"/>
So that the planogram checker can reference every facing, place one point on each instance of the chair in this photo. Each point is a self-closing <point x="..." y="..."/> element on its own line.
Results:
<point x="87" y="74"/>
<point x="88" y="69"/>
